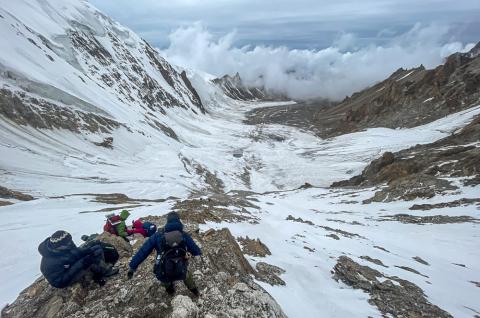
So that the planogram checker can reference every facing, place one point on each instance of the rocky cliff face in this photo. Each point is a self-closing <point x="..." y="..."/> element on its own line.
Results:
<point x="235" y="88"/>
<point x="408" y="98"/>
<point x="80" y="65"/>
<point x="423" y="171"/>
<point x="223" y="275"/>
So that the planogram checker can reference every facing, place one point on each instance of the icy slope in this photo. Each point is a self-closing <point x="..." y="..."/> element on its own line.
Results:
<point x="64" y="62"/>
<point x="67" y="50"/>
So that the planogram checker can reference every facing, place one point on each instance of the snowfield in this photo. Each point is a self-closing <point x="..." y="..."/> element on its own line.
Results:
<point x="63" y="170"/>
<point x="61" y="164"/>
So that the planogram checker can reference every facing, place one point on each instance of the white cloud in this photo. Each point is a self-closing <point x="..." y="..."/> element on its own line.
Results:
<point x="331" y="73"/>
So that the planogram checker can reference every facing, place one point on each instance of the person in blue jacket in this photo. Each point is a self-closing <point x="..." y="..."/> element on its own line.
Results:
<point x="174" y="247"/>
<point x="63" y="263"/>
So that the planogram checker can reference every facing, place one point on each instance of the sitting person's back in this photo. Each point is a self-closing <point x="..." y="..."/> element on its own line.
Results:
<point x="64" y="264"/>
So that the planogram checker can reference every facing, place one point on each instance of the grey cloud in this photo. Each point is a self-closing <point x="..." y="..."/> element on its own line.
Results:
<point x="303" y="48"/>
<point x="299" y="24"/>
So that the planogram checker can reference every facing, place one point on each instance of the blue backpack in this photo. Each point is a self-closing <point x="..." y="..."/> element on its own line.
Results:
<point x="150" y="228"/>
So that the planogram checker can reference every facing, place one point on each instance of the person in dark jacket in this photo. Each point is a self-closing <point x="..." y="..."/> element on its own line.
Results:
<point x="110" y="253"/>
<point x="157" y="242"/>
<point x="64" y="264"/>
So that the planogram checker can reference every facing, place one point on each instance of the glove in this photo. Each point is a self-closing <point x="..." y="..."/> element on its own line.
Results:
<point x="130" y="274"/>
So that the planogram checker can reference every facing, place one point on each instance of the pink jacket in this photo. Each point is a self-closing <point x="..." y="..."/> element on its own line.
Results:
<point x="137" y="228"/>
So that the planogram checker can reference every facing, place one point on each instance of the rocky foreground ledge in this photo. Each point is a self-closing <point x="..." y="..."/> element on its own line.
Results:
<point x="224" y="277"/>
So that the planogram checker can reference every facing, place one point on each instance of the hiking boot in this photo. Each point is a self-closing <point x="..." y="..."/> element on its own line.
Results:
<point x="101" y="282"/>
<point x="170" y="289"/>
<point x="111" y="271"/>
<point x="195" y="291"/>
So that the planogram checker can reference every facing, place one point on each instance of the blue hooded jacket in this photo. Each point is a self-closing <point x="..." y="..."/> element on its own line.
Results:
<point x="155" y="242"/>
<point x="61" y="265"/>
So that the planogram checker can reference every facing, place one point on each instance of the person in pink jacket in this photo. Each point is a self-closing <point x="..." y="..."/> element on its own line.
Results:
<point x="146" y="229"/>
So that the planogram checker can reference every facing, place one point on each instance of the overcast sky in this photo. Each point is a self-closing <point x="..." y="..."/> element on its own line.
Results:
<point x="312" y="24"/>
<point x="303" y="48"/>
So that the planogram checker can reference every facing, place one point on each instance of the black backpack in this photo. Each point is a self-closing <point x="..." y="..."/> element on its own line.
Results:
<point x="150" y="228"/>
<point x="172" y="265"/>
<point x="109" y="251"/>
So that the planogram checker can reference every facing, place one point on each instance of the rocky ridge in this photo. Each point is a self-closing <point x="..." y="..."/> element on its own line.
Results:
<point x="224" y="277"/>
<point x="391" y="295"/>
<point x="235" y="88"/>
<point x="408" y="98"/>
<point x="422" y="171"/>
<point x="97" y="55"/>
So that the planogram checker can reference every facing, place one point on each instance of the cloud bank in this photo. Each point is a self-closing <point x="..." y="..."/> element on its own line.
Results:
<point x="334" y="72"/>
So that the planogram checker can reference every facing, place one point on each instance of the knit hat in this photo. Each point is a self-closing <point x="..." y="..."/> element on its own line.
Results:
<point x="173" y="216"/>
<point x="60" y="238"/>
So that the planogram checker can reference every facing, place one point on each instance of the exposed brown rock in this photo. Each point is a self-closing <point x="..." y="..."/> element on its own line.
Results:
<point x="299" y="220"/>
<point x="235" y="88"/>
<point x="460" y="202"/>
<point x="475" y="283"/>
<point x="222" y="274"/>
<point x="433" y="219"/>
<point x="334" y="236"/>
<point x="381" y="248"/>
<point x="254" y="247"/>
<point x="409" y="269"/>
<point x="405" y="99"/>
<point x="410" y="188"/>
<point x="373" y="260"/>
<point x="420" y="260"/>
<point x="43" y="114"/>
<point x="419" y="172"/>
<point x="399" y="299"/>
<point x="6" y="193"/>
<point x="269" y="274"/>
<point x="5" y="203"/>
<point x="340" y="232"/>
<point x="106" y="143"/>
<point x="123" y="247"/>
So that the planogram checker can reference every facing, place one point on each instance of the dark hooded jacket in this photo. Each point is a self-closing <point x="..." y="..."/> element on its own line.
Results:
<point x="155" y="242"/>
<point x="61" y="266"/>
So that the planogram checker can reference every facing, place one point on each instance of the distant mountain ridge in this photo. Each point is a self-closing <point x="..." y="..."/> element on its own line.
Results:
<point x="407" y="98"/>
<point x="235" y="88"/>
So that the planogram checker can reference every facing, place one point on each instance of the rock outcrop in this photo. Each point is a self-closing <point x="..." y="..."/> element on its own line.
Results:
<point x="89" y="57"/>
<point x="6" y="193"/>
<point x="235" y="88"/>
<point x="420" y="171"/>
<point x="408" y="98"/>
<point x="391" y="295"/>
<point x="224" y="278"/>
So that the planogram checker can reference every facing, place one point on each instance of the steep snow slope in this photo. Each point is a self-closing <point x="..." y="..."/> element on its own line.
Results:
<point x="64" y="62"/>
<point x="67" y="50"/>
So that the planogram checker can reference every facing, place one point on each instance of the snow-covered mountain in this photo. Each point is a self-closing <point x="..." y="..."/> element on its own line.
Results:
<point x="235" y="88"/>
<point x="93" y="119"/>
